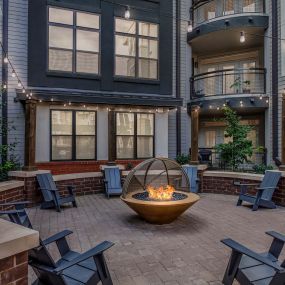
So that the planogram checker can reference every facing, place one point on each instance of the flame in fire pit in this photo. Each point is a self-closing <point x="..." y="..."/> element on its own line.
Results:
<point x="162" y="193"/>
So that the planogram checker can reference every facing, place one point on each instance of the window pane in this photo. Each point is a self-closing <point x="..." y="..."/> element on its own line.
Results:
<point x="125" y="26"/>
<point x="145" y="124"/>
<point x="61" y="122"/>
<point x="60" y="60"/>
<point x="61" y="148"/>
<point x="148" y="29"/>
<point x="85" y="123"/>
<point x="125" y="45"/>
<point x="60" y="16"/>
<point x="148" y="48"/>
<point x="145" y="147"/>
<point x="87" y="63"/>
<point x="125" y="123"/>
<point x="88" y="20"/>
<point x="85" y="147"/>
<point x="125" y="66"/>
<point x="125" y="147"/>
<point x="148" y="68"/>
<point x="87" y="41"/>
<point x="60" y="37"/>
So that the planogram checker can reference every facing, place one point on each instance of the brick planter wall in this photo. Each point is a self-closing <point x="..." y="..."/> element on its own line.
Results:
<point x="67" y="167"/>
<point x="11" y="191"/>
<point x="224" y="185"/>
<point x="14" y="269"/>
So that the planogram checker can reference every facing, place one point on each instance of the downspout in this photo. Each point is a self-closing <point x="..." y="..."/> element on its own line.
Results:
<point x="178" y="76"/>
<point x="274" y="79"/>
<point x="4" y="125"/>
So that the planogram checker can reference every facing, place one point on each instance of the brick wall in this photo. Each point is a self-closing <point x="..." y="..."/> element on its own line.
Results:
<point x="14" y="269"/>
<point x="224" y="185"/>
<point x="68" y="167"/>
<point x="15" y="194"/>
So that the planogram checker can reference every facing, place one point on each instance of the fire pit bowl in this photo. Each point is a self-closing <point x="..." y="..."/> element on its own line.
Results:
<point x="158" y="190"/>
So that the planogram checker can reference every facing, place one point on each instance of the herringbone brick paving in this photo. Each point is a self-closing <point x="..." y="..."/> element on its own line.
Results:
<point x="187" y="251"/>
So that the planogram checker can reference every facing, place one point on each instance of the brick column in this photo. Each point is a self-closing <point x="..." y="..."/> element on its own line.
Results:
<point x="30" y="135"/>
<point x="282" y="167"/>
<point x="194" y="135"/>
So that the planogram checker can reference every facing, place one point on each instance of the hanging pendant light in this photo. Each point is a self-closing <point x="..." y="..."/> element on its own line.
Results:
<point x="242" y="37"/>
<point x="190" y="27"/>
<point x="127" y="13"/>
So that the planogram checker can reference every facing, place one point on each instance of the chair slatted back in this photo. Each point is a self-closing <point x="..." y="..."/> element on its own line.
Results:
<point x="46" y="183"/>
<point x="113" y="176"/>
<point x="192" y="173"/>
<point x="270" y="179"/>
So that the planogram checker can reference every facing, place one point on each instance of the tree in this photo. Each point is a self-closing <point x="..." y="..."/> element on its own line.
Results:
<point x="236" y="151"/>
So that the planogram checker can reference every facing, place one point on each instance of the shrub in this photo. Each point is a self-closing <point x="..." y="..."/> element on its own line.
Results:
<point x="261" y="168"/>
<point x="183" y="158"/>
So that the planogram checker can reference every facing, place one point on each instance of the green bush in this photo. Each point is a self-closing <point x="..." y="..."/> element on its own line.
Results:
<point x="183" y="158"/>
<point x="261" y="168"/>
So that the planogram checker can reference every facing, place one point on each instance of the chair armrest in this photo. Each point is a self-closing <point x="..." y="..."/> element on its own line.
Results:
<point x="11" y="212"/>
<point x="48" y="189"/>
<point x="99" y="249"/>
<point x="237" y="183"/>
<point x="276" y="235"/>
<point x="16" y="203"/>
<point x="57" y="237"/>
<point x="246" y="251"/>
<point x="265" y="188"/>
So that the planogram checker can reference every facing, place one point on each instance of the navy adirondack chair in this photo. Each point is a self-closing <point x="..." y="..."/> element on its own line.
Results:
<point x="72" y="268"/>
<point x="112" y="180"/>
<point x="251" y="268"/>
<point x="264" y="191"/>
<point x="192" y="173"/>
<point x="51" y="195"/>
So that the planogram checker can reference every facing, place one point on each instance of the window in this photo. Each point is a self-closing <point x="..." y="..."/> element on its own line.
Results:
<point x="73" y="135"/>
<point x="134" y="135"/>
<point x="136" y="49"/>
<point x="74" y="41"/>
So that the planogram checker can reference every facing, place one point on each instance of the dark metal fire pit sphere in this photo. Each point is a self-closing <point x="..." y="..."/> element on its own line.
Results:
<point x="158" y="190"/>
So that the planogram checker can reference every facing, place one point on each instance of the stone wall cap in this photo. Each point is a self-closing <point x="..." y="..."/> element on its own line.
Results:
<point x="121" y="166"/>
<point x="74" y="176"/>
<point x="11" y="184"/>
<point x="27" y="174"/>
<point x="237" y="175"/>
<point x="15" y="239"/>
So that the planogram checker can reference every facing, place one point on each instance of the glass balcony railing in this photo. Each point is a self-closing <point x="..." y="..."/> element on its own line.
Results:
<point x="228" y="82"/>
<point x="205" y="11"/>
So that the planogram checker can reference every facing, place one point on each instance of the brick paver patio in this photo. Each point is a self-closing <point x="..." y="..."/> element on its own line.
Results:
<point x="187" y="251"/>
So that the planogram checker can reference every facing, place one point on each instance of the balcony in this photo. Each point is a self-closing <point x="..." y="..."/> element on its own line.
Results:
<point x="205" y="11"/>
<point x="224" y="15"/>
<point x="228" y="82"/>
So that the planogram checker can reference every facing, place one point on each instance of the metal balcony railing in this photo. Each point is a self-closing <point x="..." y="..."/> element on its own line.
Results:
<point x="228" y="82"/>
<point x="204" y="11"/>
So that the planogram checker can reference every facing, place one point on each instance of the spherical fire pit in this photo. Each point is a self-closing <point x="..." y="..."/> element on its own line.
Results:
<point x="158" y="190"/>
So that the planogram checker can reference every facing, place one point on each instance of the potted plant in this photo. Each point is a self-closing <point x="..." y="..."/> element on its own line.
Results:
<point x="246" y="85"/>
<point x="236" y="84"/>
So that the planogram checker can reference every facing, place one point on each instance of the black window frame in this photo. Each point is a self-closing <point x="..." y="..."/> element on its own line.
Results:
<point x="137" y="37"/>
<point x="135" y="135"/>
<point x="74" y="50"/>
<point x="73" y="135"/>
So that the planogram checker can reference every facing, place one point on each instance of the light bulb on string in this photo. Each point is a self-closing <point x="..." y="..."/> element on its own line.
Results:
<point x="19" y="84"/>
<point x="23" y="90"/>
<point x="260" y="97"/>
<point x="51" y="99"/>
<point x="69" y="103"/>
<point x="6" y="59"/>
<point x="127" y="13"/>
<point x="242" y="37"/>
<point x="40" y="100"/>
<point x="190" y="27"/>
<point x="13" y="74"/>
<point x="4" y="86"/>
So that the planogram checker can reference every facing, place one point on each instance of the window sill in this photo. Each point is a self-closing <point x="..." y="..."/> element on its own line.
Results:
<point x="137" y="80"/>
<point x="73" y="75"/>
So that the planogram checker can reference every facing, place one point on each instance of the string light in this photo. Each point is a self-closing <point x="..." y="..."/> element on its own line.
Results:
<point x="127" y="13"/>
<point x="242" y="37"/>
<point x="51" y="99"/>
<point x="190" y="27"/>
<point x="4" y="86"/>
<point x="6" y="60"/>
<point x="13" y="74"/>
<point x="267" y="101"/>
<point x="19" y="84"/>
<point x="23" y="90"/>
<point x="41" y="101"/>
<point x="69" y="103"/>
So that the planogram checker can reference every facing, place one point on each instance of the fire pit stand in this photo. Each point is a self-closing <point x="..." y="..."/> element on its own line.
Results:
<point x="158" y="190"/>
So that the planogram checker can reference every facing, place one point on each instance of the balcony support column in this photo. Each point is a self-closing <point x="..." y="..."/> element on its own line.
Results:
<point x="30" y="135"/>
<point x="282" y="167"/>
<point x="194" y="135"/>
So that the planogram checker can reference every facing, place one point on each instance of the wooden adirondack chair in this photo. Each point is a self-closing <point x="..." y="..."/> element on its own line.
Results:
<point x="112" y="180"/>
<point x="251" y="268"/>
<point x="264" y="191"/>
<point x="192" y="173"/>
<point x="72" y="268"/>
<point x="51" y="195"/>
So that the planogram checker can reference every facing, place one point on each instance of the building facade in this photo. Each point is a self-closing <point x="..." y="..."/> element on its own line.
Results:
<point x="122" y="80"/>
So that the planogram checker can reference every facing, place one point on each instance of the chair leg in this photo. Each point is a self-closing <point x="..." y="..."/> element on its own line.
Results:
<point x="239" y="202"/>
<point x="74" y="204"/>
<point x="232" y="268"/>
<point x="255" y="207"/>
